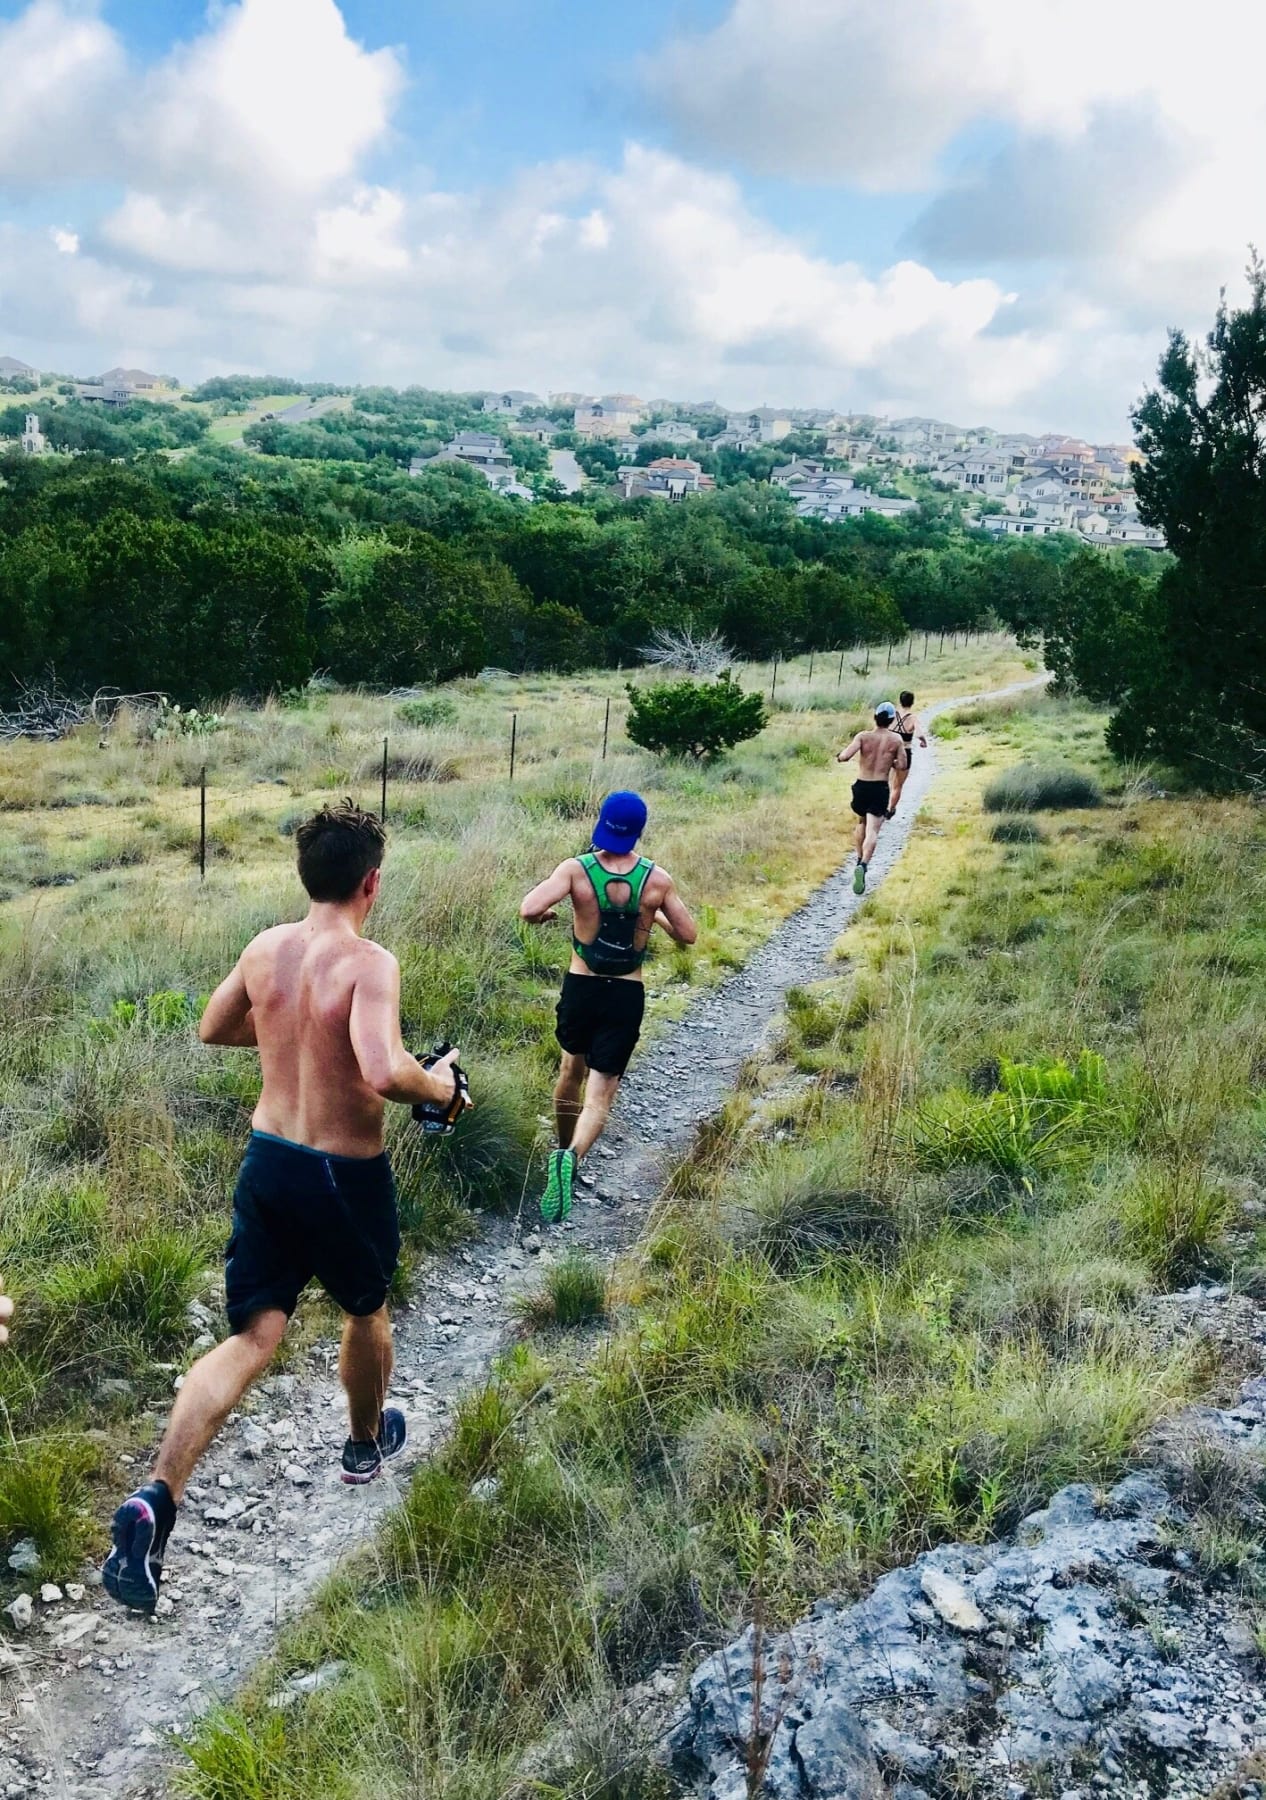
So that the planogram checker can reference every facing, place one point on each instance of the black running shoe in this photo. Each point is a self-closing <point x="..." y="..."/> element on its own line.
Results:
<point x="140" y="1528"/>
<point x="362" y="1461"/>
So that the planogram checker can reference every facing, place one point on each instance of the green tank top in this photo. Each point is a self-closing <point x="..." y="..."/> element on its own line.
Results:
<point x="613" y="951"/>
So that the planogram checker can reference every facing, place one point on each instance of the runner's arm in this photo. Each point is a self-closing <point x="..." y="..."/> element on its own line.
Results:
<point x="923" y="733"/>
<point x="227" y="1017"/>
<point x="851" y="752"/>
<point x="538" y="906"/>
<point x="671" y="916"/>
<point x="374" y="1028"/>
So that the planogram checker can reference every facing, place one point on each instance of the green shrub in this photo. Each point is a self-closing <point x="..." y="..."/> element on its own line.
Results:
<point x="1173" y="1219"/>
<point x="43" y="1496"/>
<point x="1041" y="787"/>
<point x="1010" y="1134"/>
<point x="1052" y="1081"/>
<point x="437" y="710"/>
<point x="143" y="1288"/>
<point x="693" y="718"/>
<point x="1015" y="829"/>
<point x="574" y="1292"/>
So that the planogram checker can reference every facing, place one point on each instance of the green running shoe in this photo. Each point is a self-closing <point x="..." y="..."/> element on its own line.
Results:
<point x="552" y="1198"/>
<point x="859" y="878"/>
<point x="566" y="1176"/>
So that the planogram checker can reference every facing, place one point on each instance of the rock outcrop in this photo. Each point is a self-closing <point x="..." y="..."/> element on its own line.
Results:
<point x="1085" y="1656"/>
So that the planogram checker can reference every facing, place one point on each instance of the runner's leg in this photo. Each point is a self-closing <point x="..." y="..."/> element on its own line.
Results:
<point x="211" y="1390"/>
<point x="365" y="1362"/>
<point x="871" y="837"/>
<point x="859" y="838"/>
<point x="599" y="1097"/>
<point x="568" y="1092"/>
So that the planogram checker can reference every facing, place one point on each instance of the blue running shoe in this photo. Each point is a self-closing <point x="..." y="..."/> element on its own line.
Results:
<point x="140" y="1528"/>
<point x="363" y="1461"/>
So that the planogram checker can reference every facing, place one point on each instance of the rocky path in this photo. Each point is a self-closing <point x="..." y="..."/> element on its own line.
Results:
<point x="268" y="1518"/>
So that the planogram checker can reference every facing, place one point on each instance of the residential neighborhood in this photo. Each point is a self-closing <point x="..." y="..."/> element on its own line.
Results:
<point x="840" y="466"/>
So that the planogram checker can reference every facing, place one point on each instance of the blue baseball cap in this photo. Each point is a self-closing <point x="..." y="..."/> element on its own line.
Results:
<point x="621" y="822"/>
<point x="884" y="709"/>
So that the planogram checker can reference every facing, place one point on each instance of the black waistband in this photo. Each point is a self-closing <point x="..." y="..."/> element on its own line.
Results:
<point x="272" y="1144"/>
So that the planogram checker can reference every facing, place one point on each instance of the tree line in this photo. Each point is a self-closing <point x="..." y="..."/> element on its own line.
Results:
<point x="221" y="573"/>
<point x="1182" y="659"/>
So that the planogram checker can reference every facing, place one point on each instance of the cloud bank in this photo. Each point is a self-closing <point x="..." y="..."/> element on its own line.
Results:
<point x="242" y="212"/>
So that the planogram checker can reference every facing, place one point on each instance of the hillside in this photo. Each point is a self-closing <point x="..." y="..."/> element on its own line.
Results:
<point x="906" y="1285"/>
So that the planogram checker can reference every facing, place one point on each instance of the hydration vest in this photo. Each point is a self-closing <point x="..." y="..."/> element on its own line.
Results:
<point x="612" y="952"/>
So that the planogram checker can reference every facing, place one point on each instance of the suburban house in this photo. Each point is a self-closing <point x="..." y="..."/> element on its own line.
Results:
<point x="986" y="475"/>
<point x="613" y="416"/>
<point x="511" y="402"/>
<point x="32" y="439"/>
<point x="1131" y="530"/>
<point x="666" y="477"/>
<point x="804" y="469"/>
<point x="848" y="446"/>
<point x="479" y="450"/>
<point x="119" y="387"/>
<point x="1010" y="525"/>
<point x="764" y="426"/>
<point x="9" y="365"/>
<point x="837" y="497"/>
<point x="543" y="431"/>
<point x="672" y="431"/>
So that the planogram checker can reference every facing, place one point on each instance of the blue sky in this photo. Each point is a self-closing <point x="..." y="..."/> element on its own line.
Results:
<point x="907" y="205"/>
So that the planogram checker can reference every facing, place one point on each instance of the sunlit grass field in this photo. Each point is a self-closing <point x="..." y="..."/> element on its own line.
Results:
<point x="121" y="1133"/>
<point x="899" y="1291"/>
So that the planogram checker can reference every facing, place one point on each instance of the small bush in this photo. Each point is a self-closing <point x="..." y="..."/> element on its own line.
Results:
<point x="425" y="714"/>
<point x="144" y="1287"/>
<point x="693" y="718"/>
<point x="42" y="1496"/>
<point x="574" y="1292"/>
<point x="1011" y="1135"/>
<point x="1041" y="787"/>
<point x="1172" y="1219"/>
<point x="1015" y="829"/>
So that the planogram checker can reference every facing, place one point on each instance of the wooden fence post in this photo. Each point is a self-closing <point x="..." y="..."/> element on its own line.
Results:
<point x="606" y="728"/>
<point x="514" y="737"/>
<point x="202" y="830"/>
<point x="383" y="814"/>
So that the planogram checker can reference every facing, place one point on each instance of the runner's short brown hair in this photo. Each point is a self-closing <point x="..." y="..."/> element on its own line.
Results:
<point x="907" y="698"/>
<point x="338" y="847"/>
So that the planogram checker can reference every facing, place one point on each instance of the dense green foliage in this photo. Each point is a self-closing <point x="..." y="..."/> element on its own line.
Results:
<point x="693" y="718"/>
<point x="1184" y="659"/>
<point x="114" y="431"/>
<point x="211" y="572"/>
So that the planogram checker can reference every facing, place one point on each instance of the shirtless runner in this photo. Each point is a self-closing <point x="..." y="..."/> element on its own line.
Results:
<point x="315" y="1195"/>
<point x="617" y="898"/>
<point x="908" y="725"/>
<point x="878" y="753"/>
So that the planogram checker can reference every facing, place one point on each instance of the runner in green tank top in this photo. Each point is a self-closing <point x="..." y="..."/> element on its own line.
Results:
<point x="617" y="899"/>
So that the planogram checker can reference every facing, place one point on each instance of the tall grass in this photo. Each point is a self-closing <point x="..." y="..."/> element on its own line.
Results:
<point x="832" y="1354"/>
<point x="122" y="1133"/>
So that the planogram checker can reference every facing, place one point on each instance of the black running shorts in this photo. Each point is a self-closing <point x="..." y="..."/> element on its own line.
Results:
<point x="870" y="797"/>
<point x="298" y="1213"/>
<point x="600" y="1018"/>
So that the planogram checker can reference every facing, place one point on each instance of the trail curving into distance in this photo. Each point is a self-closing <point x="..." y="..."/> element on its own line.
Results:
<point x="267" y="1518"/>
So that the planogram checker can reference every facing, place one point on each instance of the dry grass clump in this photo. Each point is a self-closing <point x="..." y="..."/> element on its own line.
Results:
<point x="1038" y="787"/>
